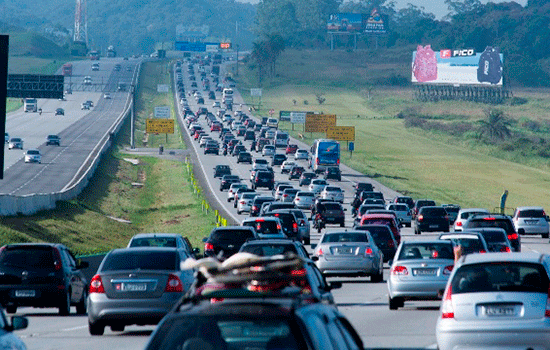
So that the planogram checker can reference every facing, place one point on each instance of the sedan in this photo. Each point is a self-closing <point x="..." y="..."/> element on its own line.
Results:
<point x="287" y="165"/>
<point x="244" y="202"/>
<point x="332" y="193"/>
<point x="349" y="253"/>
<point x="33" y="156"/>
<point x="496" y="301"/>
<point x="304" y="200"/>
<point x="420" y="271"/>
<point x="15" y="143"/>
<point x="136" y="286"/>
<point x="317" y="185"/>
<point x="268" y="151"/>
<point x="301" y="154"/>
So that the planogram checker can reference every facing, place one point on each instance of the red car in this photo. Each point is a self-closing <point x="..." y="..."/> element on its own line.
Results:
<point x="198" y="133"/>
<point x="216" y="127"/>
<point x="291" y="149"/>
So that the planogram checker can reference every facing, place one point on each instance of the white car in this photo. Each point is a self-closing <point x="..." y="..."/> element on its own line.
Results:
<point x="464" y="214"/>
<point x="15" y="143"/>
<point x="244" y="203"/>
<point x="317" y="185"/>
<point x="216" y="104"/>
<point x="301" y="154"/>
<point x="260" y="163"/>
<point x="402" y="212"/>
<point x="304" y="199"/>
<point x="107" y="96"/>
<point x="268" y="151"/>
<point x="287" y="165"/>
<point x="233" y="188"/>
<point x="33" y="156"/>
<point x="270" y="134"/>
<point x="333" y="193"/>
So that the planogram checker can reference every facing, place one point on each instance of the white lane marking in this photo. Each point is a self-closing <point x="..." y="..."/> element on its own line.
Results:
<point x="74" y="328"/>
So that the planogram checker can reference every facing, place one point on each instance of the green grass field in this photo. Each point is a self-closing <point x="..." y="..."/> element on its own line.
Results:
<point x="91" y="222"/>
<point x="417" y="162"/>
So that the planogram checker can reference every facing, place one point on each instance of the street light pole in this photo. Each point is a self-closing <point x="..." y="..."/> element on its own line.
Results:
<point x="132" y="117"/>
<point x="237" y="73"/>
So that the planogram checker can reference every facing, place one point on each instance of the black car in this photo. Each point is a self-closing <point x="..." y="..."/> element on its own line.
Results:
<point x="431" y="218"/>
<point x="258" y="202"/>
<point x="363" y="186"/>
<point x="263" y="178"/>
<point x="255" y="308"/>
<point x="237" y="149"/>
<point x="421" y="203"/>
<point x="244" y="157"/>
<point x="288" y="221"/>
<point x="249" y="135"/>
<point x="496" y="220"/>
<point x="305" y="178"/>
<point x="226" y="241"/>
<point x="53" y="140"/>
<point x="296" y="172"/>
<point x="211" y="148"/>
<point x="42" y="275"/>
<point x="333" y="173"/>
<point x="404" y="200"/>
<point x="227" y="180"/>
<point x="221" y="170"/>
<point x="278" y="159"/>
<point x="384" y="239"/>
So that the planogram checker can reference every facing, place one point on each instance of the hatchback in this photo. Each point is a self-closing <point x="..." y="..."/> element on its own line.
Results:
<point x="266" y="227"/>
<point x="278" y="159"/>
<point x="136" y="286"/>
<point x="431" y="219"/>
<point x="289" y="194"/>
<point x="402" y="211"/>
<point x="383" y="237"/>
<point x="301" y="154"/>
<point x="305" y="178"/>
<point x="287" y="165"/>
<point x="268" y="151"/>
<point x="227" y="180"/>
<point x="244" y="157"/>
<point x="296" y="172"/>
<point x="421" y="203"/>
<point x="496" y="301"/>
<point x="244" y="202"/>
<point x="304" y="199"/>
<point x="333" y="173"/>
<point x="53" y="140"/>
<point x="59" y="111"/>
<point x="291" y="149"/>
<point x="531" y="221"/>
<point x="496" y="220"/>
<point x="382" y="219"/>
<point x="226" y="241"/>
<point x="332" y="193"/>
<point x="317" y="185"/>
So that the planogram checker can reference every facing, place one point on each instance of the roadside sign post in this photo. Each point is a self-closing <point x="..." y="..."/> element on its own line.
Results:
<point x="351" y="148"/>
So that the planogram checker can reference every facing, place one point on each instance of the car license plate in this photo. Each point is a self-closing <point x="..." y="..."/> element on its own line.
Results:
<point x="434" y="226"/>
<point x="134" y="287"/>
<point x="531" y="222"/>
<point x="344" y="250"/>
<point x="25" y="293"/>
<point x="500" y="310"/>
<point x="424" y="272"/>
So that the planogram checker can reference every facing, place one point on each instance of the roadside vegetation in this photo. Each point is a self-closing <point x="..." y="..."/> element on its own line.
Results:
<point x="113" y="207"/>
<point x="452" y="151"/>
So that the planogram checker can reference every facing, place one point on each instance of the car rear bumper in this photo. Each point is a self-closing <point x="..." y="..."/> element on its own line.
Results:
<point x="351" y="267"/>
<point x="44" y="295"/>
<point x="429" y="290"/>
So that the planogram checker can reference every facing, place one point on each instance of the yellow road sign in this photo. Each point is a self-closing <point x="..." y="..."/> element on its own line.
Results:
<point x="341" y="133"/>
<point x="159" y="126"/>
<point x="319" y="122"/>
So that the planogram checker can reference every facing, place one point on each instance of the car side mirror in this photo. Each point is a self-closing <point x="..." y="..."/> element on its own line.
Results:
<point x="313" y="247"/>
<point x="18" y="322"/>
<point x="334" y="285"/>
<point x="314" y="258"/>
<point x="390" y="263"/>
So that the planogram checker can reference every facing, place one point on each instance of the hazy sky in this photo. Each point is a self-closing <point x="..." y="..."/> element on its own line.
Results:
<point x="437" y="7"/>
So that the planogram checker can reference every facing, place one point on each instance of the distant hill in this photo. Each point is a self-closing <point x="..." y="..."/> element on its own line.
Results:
<point x="33" y="44"/>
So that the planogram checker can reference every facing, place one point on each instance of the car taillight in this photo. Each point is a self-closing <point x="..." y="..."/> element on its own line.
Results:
<point x="285" y="195"/>
<point x="173" y="284"/>
<point x="448" y="269"/>
<point x="505" y="250"/>
<point x="254" y="208"/>
<point x="318" y="161"/>
<point x="368" y="251"/>
<point x="399" y="270"/>
<point x="489" y="219"/>
<point x="297" y="198"/>
<point x="57" y="263"/>
<point x="208" y="246"/>
<point x="447" y="310"/>
<point x="299" y="272"/>
<point x="420" y="217"/>
<point x="319" y="252"/>
<point x="391" y="244"/>
<point x="513" y="236"/>
<point x="547" y="311"/>
<point x="295" y="227"/>
<point x="458" y="223"/>
<point x="96" y="285"/>
<point x="242" y="202"/>
<point x="482" y="251"/>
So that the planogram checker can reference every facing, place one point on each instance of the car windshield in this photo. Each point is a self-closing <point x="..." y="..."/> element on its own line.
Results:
<point x="269" y="249"/>
<point x="344" y="237"/>
<point x="215" y="332"/>
<point x="441" y="250"/>
<point x="141" y="260"/>
<point x="500" y="277"/>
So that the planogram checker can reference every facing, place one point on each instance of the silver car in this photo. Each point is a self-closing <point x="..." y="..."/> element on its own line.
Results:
<point x="136" y="286"/>
<point x="244" y="202"/>
<point x="464" y="214"/>
<point x="304" y="199"/>
<point x="15" y="143"/>
<point x="233" y="189"/>
<point x="419" y="271"/>
<point x="531" y="221"/>
<point x="332" y="193"/>
<point x="288" y="195"/>
<point x="402" y="212"/>
<point x="496" y="301"/>
<point x="317" y="185"/>
<point x="349" y="253"/>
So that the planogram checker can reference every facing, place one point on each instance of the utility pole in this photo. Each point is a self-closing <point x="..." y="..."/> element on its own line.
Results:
<point x="237" y="73"/>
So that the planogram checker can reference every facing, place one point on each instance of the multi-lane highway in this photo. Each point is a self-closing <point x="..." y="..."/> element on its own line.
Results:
<point x="363" y="302"/>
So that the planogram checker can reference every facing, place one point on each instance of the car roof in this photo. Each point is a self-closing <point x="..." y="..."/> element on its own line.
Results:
<point x="529" y="208"/>
<point x="155" y="235"/>
<point x="529" y="257"/>
<point x="381" y="216"/>
<point x="468" y="210"/>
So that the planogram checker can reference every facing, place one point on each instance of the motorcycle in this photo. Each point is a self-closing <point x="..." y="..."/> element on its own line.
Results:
<point x="225" y="151"/>
<point x="319" y="222"/>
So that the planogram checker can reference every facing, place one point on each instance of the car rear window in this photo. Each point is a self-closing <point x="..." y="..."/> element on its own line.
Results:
<point x="344" y="237"/>
<point x="231" y="236"/>
<point x="269" y="249"/>
<point x="378" y="233"/>
<point x="305" y="194"/>
<point x="153" y="242"/>
<point x="286" y="218"/>
<point x="500" y="277"/>
<point x="264" y="227"/>
<point x="494" y="237"/>
<point x="141" y="260"/>
<point x="441" y="250"/>
<point x="399" y="207"/>
<point x="377" y="221"/>
<point x="469" y="245"/>
<point x="466" y="215"/>
<point x="332" y="206"/>
<point x="28" y="257"/>
<point x="433" y="212"/>
<point x="531" y="213"/>
<point x="492" y="222"/>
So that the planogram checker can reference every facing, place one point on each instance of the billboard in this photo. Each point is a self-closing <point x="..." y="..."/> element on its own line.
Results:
<point x="196" y="46"/>
<point x="345" y="23"/>
<point x="159" y="126"/>
<point x="319" y="122"/>
<point x="341" y="133"/>
<point x="457" y="66"/>
<point x="376" y="23"/>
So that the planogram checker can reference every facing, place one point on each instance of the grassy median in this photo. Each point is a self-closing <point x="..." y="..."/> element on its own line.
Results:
<point x="114" y="207"/>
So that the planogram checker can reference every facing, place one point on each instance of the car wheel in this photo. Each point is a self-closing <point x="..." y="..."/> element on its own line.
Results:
<point x="377" y="278"/>
<point x="307" y="241"/>
<point x="545" y="235"/>
<point x="342" y="224"/>
<point x="395" y="303"/>
<point x="82" y="305"/>
<point x="96" y="328"/>
<point x="65" y="304"/>
<point x="408" y="225"/>
<point x="117" y="327"/>
<point x="416" y="230"/>
<point x="11" y="309"/>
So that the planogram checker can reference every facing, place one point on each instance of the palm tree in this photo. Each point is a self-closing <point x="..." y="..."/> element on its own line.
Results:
<point x="495" y="125"/>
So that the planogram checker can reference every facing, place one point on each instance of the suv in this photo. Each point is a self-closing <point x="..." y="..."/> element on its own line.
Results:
<point x="273" y="310"/>
<point x="42" y="275"/>
<point x="431" y="218"/>
<point x="333" y="173"/>
<point x="227" y="180"/>
<point x="288" y="221"/>
<point x="258" y="202"/>
<point x="221" y="170"/>
<point x="531" y="221"/>
<point x="421" y="203"/>
<point x="226" y="241"/>
<point x="404" y="200"/>
<point x="495" y="220"/>
<point x="263" y="178"/>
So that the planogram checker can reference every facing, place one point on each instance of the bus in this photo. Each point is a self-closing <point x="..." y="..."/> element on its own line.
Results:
<point x="67" y="69"/>
<point x="324" y="153"/>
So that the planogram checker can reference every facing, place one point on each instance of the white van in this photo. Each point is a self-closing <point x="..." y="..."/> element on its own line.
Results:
<point x="227" y="92"/>
<point x="30" y="105"/>
<point x="281" y="139"/>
